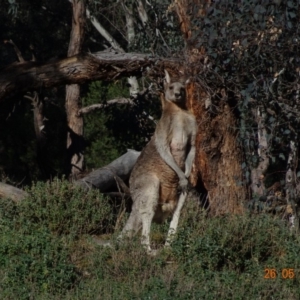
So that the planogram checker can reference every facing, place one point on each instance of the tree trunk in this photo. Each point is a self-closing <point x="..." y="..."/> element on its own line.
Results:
<point x="75" y="142"/>
<point x="218" y="164"/>
<point x="219" y="157"/>
<point x="39" y="119"/>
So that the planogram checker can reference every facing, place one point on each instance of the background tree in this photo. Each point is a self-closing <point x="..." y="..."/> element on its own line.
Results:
<point x="242" y="60"/>
<point x="75" y="143"/>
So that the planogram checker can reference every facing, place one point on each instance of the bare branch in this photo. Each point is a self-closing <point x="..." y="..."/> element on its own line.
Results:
<point x="132" y="81"/>
<point x="90" y="108"/>
<point x="142" y="12"/>
<point x="17" y="50"/>
<point x="38" y="116"/>
<point x="104" y="32"/>
<point x="129" y="23"/>
<point x="93" y="107"/>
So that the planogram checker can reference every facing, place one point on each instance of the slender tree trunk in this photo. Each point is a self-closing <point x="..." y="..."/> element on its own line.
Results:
<point x="218" y="164"/>
<point x="75" y="142"/>
<point x="41" y="138"/>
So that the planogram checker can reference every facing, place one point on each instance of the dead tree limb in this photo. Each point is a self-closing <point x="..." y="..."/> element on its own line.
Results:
<point x="93" y="107"/>
<point x="106" y="65"/>
<point x="11" y="192"/>
<point x="106" y="177"/>
<point x="17" y="50"/>
<point x="38" y="115"/>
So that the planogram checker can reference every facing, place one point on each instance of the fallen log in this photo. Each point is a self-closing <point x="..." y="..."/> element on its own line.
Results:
<point x="107" y="65"/>
<point x="106" y="178"/>
<point x="9" y="191"/>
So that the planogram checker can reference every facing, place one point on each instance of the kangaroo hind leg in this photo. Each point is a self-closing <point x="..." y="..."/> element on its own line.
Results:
<point x="132" y="226"/>
<point x="147" y="207"/>
<point x="175" y="219"/>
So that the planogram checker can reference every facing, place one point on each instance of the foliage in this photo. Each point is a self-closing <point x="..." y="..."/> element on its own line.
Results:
<point x="41" y="29"/>
<point x="18" y="145"/>
<point x="42" y="257"/>
<point x="37" y="237"/>
<point x="160" y="35"/>
<point x="27" y="23"/>
<point x="65" y="209"/>
<point x="17" y="133"/>
<point x="102" y="145"/>
<point x="109" y="132"/>
<point x="253" y="51"/>
<point x="115" y="128"/>
<point x="210" y="258"/>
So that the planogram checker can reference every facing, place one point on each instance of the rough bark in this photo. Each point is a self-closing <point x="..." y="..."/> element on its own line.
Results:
<point x="75" y="141"/>
<point x="218" y="156"/>
<point x="106" y="65"/>
<point x="106" y="177"/>
<point x="218" y="163"/>
<point x="291" y="186"/>
<point x="257" y="174"/>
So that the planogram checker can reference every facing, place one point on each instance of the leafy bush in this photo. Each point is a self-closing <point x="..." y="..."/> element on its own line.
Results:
<point x="47" y="253"/>
<point x="111" y="130"/>
<point x="210" y="258"/>
<point x="38" y="235"/>
<point x="64" y="208"/>
<point x="34" y="263"/>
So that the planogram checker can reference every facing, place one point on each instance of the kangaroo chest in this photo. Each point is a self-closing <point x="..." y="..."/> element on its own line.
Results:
<point x="181" y="137"/>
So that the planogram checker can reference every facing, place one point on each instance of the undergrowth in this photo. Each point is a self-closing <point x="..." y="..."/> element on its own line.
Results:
<point x="47" y="251"/>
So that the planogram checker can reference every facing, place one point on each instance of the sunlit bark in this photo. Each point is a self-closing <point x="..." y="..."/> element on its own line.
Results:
<point x="218" y="165"/>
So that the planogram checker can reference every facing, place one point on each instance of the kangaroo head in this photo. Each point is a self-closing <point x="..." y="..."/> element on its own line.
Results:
<point x="174" y="91"/>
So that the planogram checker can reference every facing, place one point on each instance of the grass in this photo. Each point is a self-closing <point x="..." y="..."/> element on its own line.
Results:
<point x="47" y="251"/>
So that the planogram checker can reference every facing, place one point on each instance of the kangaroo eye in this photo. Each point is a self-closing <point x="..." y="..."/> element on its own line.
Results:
<point x="171" y="88"/>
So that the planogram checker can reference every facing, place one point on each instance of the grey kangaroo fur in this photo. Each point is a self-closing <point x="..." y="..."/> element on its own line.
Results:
<point x="163" y="168"/>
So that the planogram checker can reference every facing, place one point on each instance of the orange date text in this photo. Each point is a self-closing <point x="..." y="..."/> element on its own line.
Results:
<point x="274" y="273"/>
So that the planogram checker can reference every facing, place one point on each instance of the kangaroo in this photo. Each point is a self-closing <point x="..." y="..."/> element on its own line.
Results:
<point x="163" y="168"/>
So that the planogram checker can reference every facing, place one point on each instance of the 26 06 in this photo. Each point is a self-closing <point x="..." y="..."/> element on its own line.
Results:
<point x="285" y="273"/>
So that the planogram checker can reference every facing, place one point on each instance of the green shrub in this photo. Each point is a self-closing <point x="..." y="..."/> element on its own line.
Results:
<point x="37" y="238"/>
<point x="224" y="258"/>
<point x="46" y="252"/>
<point x="34" y="264"/>
<point x="65" y="209"/>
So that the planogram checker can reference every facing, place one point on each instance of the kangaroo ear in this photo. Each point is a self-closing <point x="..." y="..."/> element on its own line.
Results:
<point x="167" y="78"/>
<point x="183" y="78"/>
